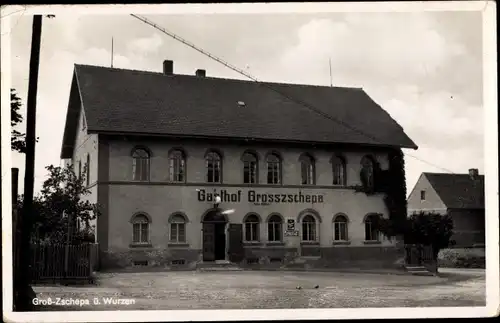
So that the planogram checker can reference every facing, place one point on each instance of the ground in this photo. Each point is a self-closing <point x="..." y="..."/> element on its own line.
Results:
<point x="264" y="289"/>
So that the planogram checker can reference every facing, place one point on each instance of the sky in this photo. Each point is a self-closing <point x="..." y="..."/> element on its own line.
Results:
<point x="423" y="68"/>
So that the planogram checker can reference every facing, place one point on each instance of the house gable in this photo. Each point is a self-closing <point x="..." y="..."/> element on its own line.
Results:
<point x="432" y="201"/>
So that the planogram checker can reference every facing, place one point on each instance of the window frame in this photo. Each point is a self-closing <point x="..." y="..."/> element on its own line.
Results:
<point x="341" y="224"/>
<point x="141" y="165"/>
<point x="307" y="168"/>
<point x="177" y="220"/>
<point x="369" y="222"/>
<point x="310" y="225"/>
<point x="142" y="220"/>
<point x="272" y="226"/>
<point x="211" y="157"/>
<point x="339" y="170"/>
<point x="177" y="166"/>
<point x="254" y="228"/>
<point x="273" y="169"/>
<point x="249" y="159"/>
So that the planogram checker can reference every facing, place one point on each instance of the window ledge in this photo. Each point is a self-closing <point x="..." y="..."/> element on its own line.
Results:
<point x="372" y="242"/>
<point x="178" y="244"/>
<point x="140" y="245"/>
<point x="341" y="243"/>
<point x="275" y="243"/>
<point x="309" y="243"/>
<point x="252" y="243"/>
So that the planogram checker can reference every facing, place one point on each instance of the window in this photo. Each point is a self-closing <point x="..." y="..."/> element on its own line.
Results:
<point x="84" y="124"/>
<point x="339" y="171"/>
<point x="87" y="169"/>
<point x="140" y="226"/>
<point x="249" y="168"/>
<point x="308" y="228"/>
<point x="214" y="167"/>
<point x="177" y="228"/>
<point x="307" y="170"/>
<point x="177" y="166"/>
<point x="252" y="228"/>
<point x="140" y="165"/>
<point x="274" y="229"/>
<point x="371" y="233"/>
<point x="422" y="195"/>
<point x="79" y="169"/>
<point x="273" y="169"/>
<point x="340" y="228"/>
<point x="367" y="168"/>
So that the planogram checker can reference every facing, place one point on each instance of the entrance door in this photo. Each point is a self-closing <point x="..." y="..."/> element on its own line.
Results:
<point x="220" y="241"/>
<point x="208" y="242"/>
<point x="236" y="251"/>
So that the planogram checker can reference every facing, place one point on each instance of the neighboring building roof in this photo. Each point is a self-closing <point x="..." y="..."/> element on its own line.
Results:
<point x="458" y="191"/>
<point x="128" y="101"/>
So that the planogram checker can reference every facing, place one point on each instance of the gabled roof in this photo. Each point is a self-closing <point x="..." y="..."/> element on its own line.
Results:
<point x="458" y="191"/>
<point x="128" y="101"/>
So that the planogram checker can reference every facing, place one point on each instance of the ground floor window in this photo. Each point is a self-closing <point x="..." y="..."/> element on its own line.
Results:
<point x="371" y="233"/>
<point x="274" y="229"/>
<point x="308" y="228"/>
<point x="140" y="229"/>
<point x="340" y="228"/>
<point x="177" y="229"/>
<point x="252" y="228"/>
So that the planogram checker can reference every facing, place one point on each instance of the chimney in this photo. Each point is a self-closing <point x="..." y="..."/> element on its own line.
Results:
<point x="201" y="73"/>
<point x="473" y="173"/>
<point x="168" y="67"/>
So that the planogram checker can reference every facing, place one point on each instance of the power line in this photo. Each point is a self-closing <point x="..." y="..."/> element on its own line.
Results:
<point x="242" y="72"/>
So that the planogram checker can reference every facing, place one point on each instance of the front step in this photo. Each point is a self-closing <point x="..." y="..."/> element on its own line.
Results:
<point x="217" y="266"/>
<point x="418" y="271"/>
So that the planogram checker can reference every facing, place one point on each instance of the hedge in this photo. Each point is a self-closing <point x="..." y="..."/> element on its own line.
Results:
<point x="462" y="258"/>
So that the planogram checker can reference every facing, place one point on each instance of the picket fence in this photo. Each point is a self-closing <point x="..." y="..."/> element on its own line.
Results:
<point x="63" y="263"/>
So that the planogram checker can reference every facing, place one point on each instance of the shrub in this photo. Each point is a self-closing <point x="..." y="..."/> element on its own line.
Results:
<point x="462" y="258"/>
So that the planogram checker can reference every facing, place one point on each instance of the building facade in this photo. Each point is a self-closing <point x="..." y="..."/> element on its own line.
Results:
<point x="459" y="195"/>
<point x="283" y="200"/>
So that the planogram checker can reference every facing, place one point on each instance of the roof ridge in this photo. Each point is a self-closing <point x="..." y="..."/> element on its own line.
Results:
<point x="223" y="78"/>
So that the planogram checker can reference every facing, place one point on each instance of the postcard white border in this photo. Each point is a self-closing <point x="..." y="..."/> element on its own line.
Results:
<point x="488" y="9"/>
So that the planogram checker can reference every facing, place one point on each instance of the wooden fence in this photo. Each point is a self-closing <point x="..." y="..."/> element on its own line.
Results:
<point x="63" y="263"/>
<point x="418" y="255"/>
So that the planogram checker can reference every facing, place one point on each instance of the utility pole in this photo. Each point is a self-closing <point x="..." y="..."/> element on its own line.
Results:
<point x="23" y="289"/>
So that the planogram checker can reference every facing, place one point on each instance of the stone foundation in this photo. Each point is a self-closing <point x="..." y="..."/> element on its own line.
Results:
<point x="168" y="259"/>
<point x="310" y="257"/>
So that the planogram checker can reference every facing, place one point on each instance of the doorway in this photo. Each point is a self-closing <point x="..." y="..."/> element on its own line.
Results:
<point x="214" y="236"/>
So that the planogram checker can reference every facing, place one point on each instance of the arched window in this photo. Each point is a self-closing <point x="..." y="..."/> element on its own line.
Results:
<point x="249" y="168"/>
<point x="367" y="169"/>
<point x="339" y="170"/>
<point x="177" y="228"/>
<point x="252" y="228"/>
<point x="87" y="170"/>
<point x="340" y="228"/>
<point x="371" y="233"/>
<point x="140" y="165"/>
<point x="140" y="229"/>
<point x="177" y="166"/>
<point x="273" y="169"/>
<point x="307" y="170"/>
<point x="275" y="228"/>
<point x="214" y="167"/>
<point x="308" y="228"/>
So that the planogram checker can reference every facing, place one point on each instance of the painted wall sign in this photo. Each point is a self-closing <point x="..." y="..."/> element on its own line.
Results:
<point x="290" y="224"/>
<point x="259" y="198"/>
<point x="294" y="233"/>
